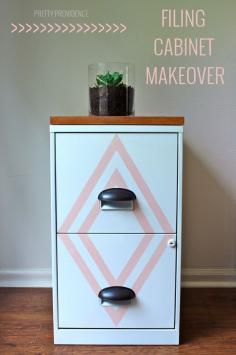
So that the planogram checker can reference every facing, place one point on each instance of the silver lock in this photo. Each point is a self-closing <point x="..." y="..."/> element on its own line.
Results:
<point x="172" y="243"/>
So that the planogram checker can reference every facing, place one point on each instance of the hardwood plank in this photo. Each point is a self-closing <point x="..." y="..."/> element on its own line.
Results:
<point x="116" y="120"/>
<point x="208" y="322"/>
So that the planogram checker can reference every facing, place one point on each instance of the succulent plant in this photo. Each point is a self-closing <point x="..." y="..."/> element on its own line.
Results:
<point x="109" y="79"/>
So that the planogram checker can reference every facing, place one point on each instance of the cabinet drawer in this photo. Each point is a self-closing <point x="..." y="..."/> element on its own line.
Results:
<point x="88" y="263"/>
<point x="88" y="163"/>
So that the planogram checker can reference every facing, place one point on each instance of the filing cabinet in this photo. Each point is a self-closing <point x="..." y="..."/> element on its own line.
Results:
<point x="116" y="192"/>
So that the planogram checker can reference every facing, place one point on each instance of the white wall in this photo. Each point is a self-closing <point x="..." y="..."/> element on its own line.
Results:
<point x="43" y="75"/>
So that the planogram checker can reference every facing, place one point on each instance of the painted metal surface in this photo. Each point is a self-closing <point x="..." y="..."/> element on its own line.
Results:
<point x="95" y="256"/>
<point x="144" y="163"/>
<point x="88" y="263"/>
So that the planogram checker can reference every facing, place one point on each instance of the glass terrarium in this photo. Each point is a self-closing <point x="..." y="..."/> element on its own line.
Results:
<point x="111" y="89"/>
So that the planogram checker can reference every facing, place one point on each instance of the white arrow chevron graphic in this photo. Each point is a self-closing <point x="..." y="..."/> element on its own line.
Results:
<point x="116" y="28"/>
<point x="51" y="28"/>
<point x="65" y="28"/>
<point x="72" y="28"/>
<point x="29" y="28"/>
<point x="58" y="27"/>
<point x="94" y="27"/>
<point x="101" y="27"/>
<point x="87" y="27"/>
<point x="124" y="27"/>
<point x="79" y="27"/>
<point x="109" y="27"/>
<point x="22" y="28"/>
<point x="14" y="28"/>
<point x="36" y="27"/>
<point x="43" y="27"/>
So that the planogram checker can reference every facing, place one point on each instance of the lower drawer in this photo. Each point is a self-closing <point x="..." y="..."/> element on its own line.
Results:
<point x="88" y="263"/>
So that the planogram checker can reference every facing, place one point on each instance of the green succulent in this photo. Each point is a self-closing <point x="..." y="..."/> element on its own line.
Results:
<point x="109" y="79"/>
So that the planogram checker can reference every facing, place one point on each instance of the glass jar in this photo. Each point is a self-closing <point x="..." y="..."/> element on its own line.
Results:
<point x="111" y="89"/>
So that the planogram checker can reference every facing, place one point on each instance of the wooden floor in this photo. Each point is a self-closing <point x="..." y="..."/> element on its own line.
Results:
<point x="208" y="325"/>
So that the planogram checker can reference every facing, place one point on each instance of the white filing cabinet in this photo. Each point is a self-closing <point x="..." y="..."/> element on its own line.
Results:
<point x="116" y="200"/>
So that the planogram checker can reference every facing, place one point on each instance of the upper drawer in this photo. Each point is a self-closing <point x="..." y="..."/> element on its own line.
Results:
<point x="88" y="163"/>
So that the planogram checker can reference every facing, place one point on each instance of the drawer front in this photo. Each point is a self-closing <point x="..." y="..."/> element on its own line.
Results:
<point x="89" y="263"/>
<point x="88" y="163"/>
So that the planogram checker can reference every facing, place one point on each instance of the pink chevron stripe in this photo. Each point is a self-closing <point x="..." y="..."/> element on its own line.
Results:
<point x="150" y="265"/>
<point x="116" y="179"/>
<point x="115" y="314"/>
<point x="143" y="186"/>
<point x="80" y="262"/>
<point x="116" y="145"/>
<point x="142" y="220"/>
<point x="78" y="204"/>
<point x="132" y="262"/>
<point x="89" y="244"/>
<point x="97" y="258"/>
<point x="92" y="215"/>
<point x="91" y="247"/>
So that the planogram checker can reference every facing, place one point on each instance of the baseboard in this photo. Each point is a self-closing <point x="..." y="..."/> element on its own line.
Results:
<point x="209" y="277"/>
<point x="190" y="278"/>
<point x="25" y="278"/>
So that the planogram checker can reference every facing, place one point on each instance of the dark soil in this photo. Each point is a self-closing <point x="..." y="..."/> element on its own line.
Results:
<point x="111" y="100"/>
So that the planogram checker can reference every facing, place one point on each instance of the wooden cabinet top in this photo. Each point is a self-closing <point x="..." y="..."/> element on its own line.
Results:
<point x="117" y="120"/>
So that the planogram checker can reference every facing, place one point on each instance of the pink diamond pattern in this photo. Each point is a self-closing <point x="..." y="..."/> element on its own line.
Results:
<point x="116" y="180"/>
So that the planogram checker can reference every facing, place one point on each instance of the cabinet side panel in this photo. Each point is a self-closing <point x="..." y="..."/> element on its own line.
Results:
<point x="53" y="227"/>
<point x="179" y="229"/>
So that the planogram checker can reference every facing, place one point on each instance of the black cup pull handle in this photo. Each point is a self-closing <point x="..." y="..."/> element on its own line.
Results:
<point x="117" y="199"/>
<point x="114" y="294"/>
